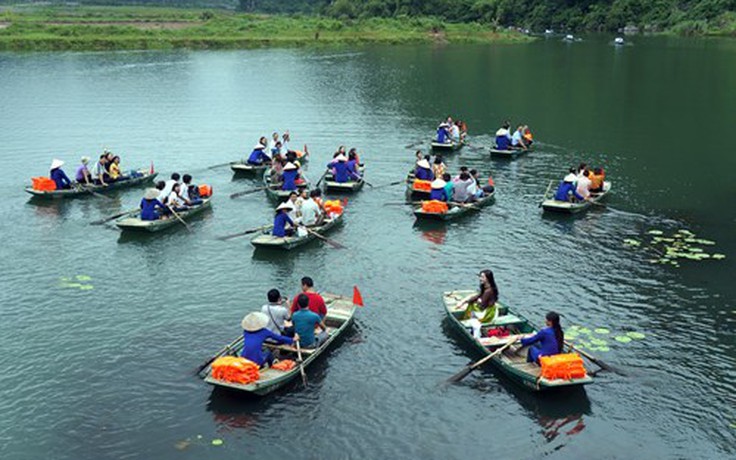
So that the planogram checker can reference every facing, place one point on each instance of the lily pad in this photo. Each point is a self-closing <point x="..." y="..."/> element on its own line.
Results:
<point x="86" y="287"/>
<point x="631" y="242"/>
<point x="83" y="278"/>
<point x="694" y="249"/>
<point x="718" y="256"/>
<point x="217" y="442"/>
<point x="635" y="335"/>
<point x="655" y="232"/>
<point x="601" y="330"/>
<point x="584" y="330"/>
<point x="603" y="349"/>
<point x="686" y="232"/>
<point x="71" y="285"/>
<point x="705" y="242"/>
<point x="623" y="339"/>
<point x="598" y="342"/>
<point x="64" y="278"/>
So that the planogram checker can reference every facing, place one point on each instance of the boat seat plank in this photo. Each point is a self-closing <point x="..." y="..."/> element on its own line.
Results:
<point x="503" y="320"/>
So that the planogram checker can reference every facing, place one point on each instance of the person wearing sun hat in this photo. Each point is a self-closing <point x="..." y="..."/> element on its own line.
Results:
<point x="83" y="176"/>
<point x="150" y="204"/>
<point x="282" y="219"/>
<point x="424" y="170"/>
<point x="438" y="190"/>
<point x="289" y="176"/>
<point x="258" y="156"/>
<point x="442" y="133"/>
<point x="255" y="332"/>
<point x="567" y="188"/>
<point x="341" y="169"/>
<point x="59" y="176"/>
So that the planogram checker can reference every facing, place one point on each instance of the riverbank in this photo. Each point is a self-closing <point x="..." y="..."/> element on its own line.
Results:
<point x="134" y="28"/>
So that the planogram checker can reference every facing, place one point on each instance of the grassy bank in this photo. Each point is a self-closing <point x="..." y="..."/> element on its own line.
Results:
<point x="129" y="28"/>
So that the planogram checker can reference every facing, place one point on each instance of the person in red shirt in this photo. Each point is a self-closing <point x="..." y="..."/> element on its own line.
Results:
<point x="316" y="302"/>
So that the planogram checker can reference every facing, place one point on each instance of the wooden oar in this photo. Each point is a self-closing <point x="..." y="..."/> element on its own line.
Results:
<point x="227" y="348"/>
<point x="391" y="184"/>
<point x="403" y="203"/>
<point x="220" y="165"/>
<point x="598" y="362"/>
<point x="544" y="197"/>
<point x="113" y="217"/>
<point x="301" y="362"/>
<point x="471" y="367"/>
<point x="321" y="178"/>
<point x="248" y="192"/>
<point x="178" y="217"/>
<point x="247" y="232"/>
<point x="325" y="239"/>
<point x="99" y="195"/>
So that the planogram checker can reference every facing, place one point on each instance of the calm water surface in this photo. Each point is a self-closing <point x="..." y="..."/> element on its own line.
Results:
<point x="107" y="372"/>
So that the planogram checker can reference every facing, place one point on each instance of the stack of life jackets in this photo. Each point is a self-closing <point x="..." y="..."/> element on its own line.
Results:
<point x="422" y="185"/>
<point x="235" y="369"/>
<point x="205" y="191"/>
<point x="284" y="365"/>
<point x="434" y="207"/>
<point x="333" y="207"/>
<point x="563" y="366"/>
<point x="43" y="184"/>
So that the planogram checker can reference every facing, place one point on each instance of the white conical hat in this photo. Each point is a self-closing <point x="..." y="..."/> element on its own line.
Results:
<point x="259" y="147"/>
<point x="151" y="193"/>
<point x="341" y="157"/>
<point x="56" y="163"/>
<point x="290" y="167"/>
<point x="423" y="164"/>
<point x="285" y="205"/>
<point x="438" y="183"/>
<point x="85" y="159"/>
<point x="254" y="321"/>
<point x="570" y="178"/>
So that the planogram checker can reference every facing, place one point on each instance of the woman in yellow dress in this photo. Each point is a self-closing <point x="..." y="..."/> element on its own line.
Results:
<point x="481" y="308"/>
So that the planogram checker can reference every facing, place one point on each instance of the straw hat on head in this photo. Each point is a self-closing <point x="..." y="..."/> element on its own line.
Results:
<point x="56" y="163"/>
<point x="254" y="321"/>
<point x="443" y="125"/>
<point x="438" y="184"/>
<point x="285" y="205"/>
<point x="290" y="167"/>
<point x="341" y="157"/>
<point x="570" y="178"/>
<point x="423" y="164"/>
<point x="151" y="194"/>
<point x="85" y="160"/>
<point x="259" y="147"/>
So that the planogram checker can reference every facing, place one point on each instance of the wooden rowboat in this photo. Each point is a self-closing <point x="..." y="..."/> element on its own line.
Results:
<point x="267" y="240"/>
<point x="340" y="313"/>
<point x="511" y="365"/>
<point x="568" y="207"/>
<point x="508" y="153"/>
<point x="456" y="210"/>
<point x="242" y="167"/>
<point x="447" y="146"/>
<point x="352" y="186"/>
<point x="274" y="192"/>
<point x="78" y="190"/>
<point x="414" y="195"/>
<point x="135" y="223"/>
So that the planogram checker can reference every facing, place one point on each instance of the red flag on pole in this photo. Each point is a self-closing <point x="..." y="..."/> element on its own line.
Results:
<point x="357" y="298"/>
<point x="151" y="168"/>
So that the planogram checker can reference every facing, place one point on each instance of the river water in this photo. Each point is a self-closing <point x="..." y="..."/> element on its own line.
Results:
<point x="106" y="372"/>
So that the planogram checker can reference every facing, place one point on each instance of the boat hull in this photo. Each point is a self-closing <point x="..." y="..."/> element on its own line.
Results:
<point x="268" y="241"/>
<point x="447" y="146"/>
<point x="455" y="212"/>
<point x="508" y="153"/>
<point x="276" y="194"/>
<point x="239" y="167"/>
<point x="565" y="207"/>
<point x="135" y="224"/>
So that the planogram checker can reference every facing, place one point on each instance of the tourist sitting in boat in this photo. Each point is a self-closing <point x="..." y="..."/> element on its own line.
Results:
<point x="161" y="188"/>
<point x="316" y="302"/>
<point x="596" y="180"/>
<point x="151" y="207"/>
<point x="305" y="321"/>
<point x="443" y="134"/>
<point x="290" y="177"/>
<point x="277" y="314"/>
<point x="175" y="201"/>
<point x="354" y="161"/>
<point x="341" y="172"/>
<point x="567" y="190"/>
<point x="547" y="342"/>
<point x="503" y="137"/>
<point x="258" y="156"/>
<point x="276" y="150"/>
<point x="83" y="176"/>
<point x="294" y="212"/>
<point x="255" y="332"/>
<point x="311" y="213"/>
<point x="114" y="169"/>
<point x="423" y="171"/>
<point x="463" y="188"/>
<point x="316" y="195"/>
<point x="438" y="167"/>
<point x="449" y="186"/>
<point x="579" y="171"/>
<point x="283" y="226"/>
<point x="419" y="156"/>
<point x="189" y="191"/>
<point x="517" y="139"/>
<point x="438" y="191"/>
<point x="583" y="184"/>
<point x="99" y="171"/>
<point x="59" y="176"/>
<point x="476" y="190"/>
<point x="340" y="151"/>
<point x="285" y="139"/>
<point x="528" y="136"/>
<point x="454" y="131"/>
<point x="481" y="307"/>
<point x="463" y="129"/>
<point x="272" y="143"/>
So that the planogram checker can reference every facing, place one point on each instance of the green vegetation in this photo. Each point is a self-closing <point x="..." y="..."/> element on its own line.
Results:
<point x="105" y="28"/>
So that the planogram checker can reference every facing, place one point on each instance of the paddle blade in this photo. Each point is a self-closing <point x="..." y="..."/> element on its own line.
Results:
<point x="460" y="375"/>
<point x="357" y="297"/>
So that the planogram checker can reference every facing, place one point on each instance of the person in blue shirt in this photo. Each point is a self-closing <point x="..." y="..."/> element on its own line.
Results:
<point x="442" y="133"/>
<point x="150" y="205"/>
<point x="258" y="156"/>
<point x="282" y="219"/>
<point x="423" y="171"/>
<point x="354" y="163"/>
<point x="59" y="176"/>
<point x="342" y="171"/>
<point x="255" y="332"/>
<point x="503" y="137"/>
<point x="547" y="342"/>
<point x="566" y="188"/>
<point x="449" y="186"/>
<point x="438" y="191"/>
<point x="305" y="320"/>
<point x="289" y="177"/>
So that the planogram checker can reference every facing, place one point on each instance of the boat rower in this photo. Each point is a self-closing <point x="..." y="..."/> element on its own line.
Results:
<point x="282" y="220"/>
<point x="59" y="176"/>
<point x="255" y="332"/>
<point x="258" y="156"/>
<point x="567" y="188"/>
<point x="547" y="342"/>
<point x="150" y="205"/>
<point x="423" y="170"/>
<point x="289" y="176"/>
<point x="438" y="191"/>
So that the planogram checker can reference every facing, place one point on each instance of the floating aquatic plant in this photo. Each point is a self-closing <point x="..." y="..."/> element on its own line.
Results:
<point x="601" y="330"/>
<point x="623" y="338"/>
<point x="69" y="283"/>
<point x="672" y="248"/>
<point x="217" y="442"/>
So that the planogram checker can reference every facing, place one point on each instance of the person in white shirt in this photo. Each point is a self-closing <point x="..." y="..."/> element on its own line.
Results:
<point x="273" y="141"/>
<point x="311" y="214"/>
<point x="455" y="132"/>
<point x="584" y="182"/>
<point x="170" y="184"/>
<point x="285" y="139"/>
<point x="294" y="213"/>
<point x="277" y="314"/>
<point x="175" y="200"/>
<point x="517" y="139"/>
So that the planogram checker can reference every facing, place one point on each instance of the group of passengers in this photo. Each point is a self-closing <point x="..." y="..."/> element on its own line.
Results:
<point x="520" y="139"/>
<point x="465" y="187"/>
<point x="303" y="209"/>
<point x="177" y="194"/>
<point x="450" y="131"/>
<point x="581" y="184"/>
<point x="278" y="324"/>
<point x="267" y="152"/>
<point x="105" y="171"/>
<point x="345" y="167"/>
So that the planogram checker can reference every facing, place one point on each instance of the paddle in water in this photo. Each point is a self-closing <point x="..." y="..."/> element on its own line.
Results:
<point x="598" y="362"/>
<point x="391" y="184"/>
<point x="471" y="367"/>
<point x="322" y="178"/>
<point x="546" y="192"/>
<point x="301" y="362"/>
<point x="99" y="195"/>
<point x="114" y="216"/>
<point x="178" y="217"/>
<point x="248" y="192"/>
<point x="332" y="243"/>
<point x="246" y="232"/>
